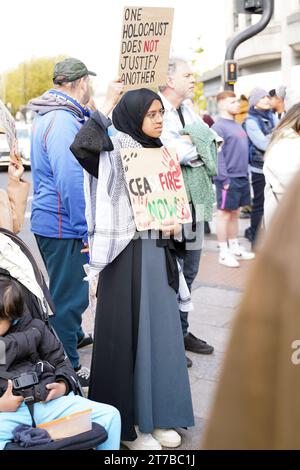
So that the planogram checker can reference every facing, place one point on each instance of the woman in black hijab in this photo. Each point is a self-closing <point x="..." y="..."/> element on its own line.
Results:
<point x="130" y="112"/>
<point x="138" y="362"/>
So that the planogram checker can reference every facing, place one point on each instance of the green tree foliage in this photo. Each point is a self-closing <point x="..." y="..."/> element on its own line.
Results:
<point x="199" y="100"/>
<point x="29" y="80"/>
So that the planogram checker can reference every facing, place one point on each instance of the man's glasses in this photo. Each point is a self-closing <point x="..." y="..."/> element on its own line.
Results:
<point x="153" y="115"/>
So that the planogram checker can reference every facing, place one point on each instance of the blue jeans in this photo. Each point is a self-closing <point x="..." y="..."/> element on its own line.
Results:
<point x="105" y="415"/>
<point x="191" y="262"/>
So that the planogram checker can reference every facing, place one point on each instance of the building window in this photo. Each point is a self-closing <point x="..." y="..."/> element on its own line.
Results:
<point x="236" y="21"/>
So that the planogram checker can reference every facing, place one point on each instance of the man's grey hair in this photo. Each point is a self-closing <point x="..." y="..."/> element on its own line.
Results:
<point x="70" y="85"/>
<point x="172" y="67"/>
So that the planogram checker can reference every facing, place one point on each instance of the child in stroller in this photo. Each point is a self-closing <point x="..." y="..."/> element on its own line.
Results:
<point x="30" y="346"/>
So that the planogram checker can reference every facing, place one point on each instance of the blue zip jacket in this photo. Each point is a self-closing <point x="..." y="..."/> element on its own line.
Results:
<point x="58" y="207"/>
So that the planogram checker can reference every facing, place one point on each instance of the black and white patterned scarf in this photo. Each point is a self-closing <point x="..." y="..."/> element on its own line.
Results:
<point x="109" y="215"/>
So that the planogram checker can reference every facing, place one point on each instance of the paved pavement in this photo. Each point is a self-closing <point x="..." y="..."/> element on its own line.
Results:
<point x="217" y="291"/>
<point x="216" y="294"/>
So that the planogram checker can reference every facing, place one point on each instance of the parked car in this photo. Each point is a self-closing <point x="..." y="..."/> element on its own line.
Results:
<point x="23" y="134"/>
<point x="4" y="149"/>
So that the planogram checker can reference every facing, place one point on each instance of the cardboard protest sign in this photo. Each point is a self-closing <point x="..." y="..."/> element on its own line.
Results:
<point x="145" y="46"/>
<point x="8" y="126"/>
<point x="156" y="187"/>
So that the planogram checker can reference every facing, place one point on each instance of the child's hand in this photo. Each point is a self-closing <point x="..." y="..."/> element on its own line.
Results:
<point x="8" y="401"/>
<point x="57" y="390"/>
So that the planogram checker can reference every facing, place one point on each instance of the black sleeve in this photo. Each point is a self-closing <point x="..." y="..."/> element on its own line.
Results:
<point x="20" y="345"/>
<point x="92" y="139"/>
<point x="52" y="351"/>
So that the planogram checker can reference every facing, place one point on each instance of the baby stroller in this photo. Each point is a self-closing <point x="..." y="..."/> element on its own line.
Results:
<point x="17" y="261"/>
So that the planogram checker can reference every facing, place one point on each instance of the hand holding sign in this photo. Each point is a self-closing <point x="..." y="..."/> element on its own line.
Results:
<point x="113" y="94"/>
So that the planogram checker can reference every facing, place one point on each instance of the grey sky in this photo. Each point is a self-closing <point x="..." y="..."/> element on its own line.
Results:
<point x="91" y="30"/>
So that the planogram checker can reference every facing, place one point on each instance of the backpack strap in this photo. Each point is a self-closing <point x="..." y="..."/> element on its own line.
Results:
<point x="28" y="396"/>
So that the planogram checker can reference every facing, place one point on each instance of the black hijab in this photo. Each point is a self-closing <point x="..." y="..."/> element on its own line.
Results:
<point x="129" y="114"/>
<point x="128" y="117"/>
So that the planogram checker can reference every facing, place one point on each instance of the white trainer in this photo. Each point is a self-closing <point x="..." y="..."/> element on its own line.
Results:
<point x="227" y="259"/>
<point x="167" y="437"/>
<point x="240" y="252"/>
<point x="143" y="442"/>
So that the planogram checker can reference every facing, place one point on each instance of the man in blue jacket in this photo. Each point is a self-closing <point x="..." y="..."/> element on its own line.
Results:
<point x="58" y="207"/>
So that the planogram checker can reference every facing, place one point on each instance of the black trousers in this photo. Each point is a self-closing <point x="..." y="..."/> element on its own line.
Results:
<point x="258" y="184"/>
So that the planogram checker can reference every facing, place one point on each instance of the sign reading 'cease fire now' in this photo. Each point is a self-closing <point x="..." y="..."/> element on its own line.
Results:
<point x="156" y="187"/>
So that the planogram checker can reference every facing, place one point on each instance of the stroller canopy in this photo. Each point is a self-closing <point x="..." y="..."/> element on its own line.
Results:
<point x="16" y="263"/>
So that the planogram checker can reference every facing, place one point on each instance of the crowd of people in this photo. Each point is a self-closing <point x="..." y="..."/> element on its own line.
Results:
<point x="82" y="214"/>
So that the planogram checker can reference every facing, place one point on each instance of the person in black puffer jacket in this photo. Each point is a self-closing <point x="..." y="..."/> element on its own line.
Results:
<point x="26" y="346"/>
